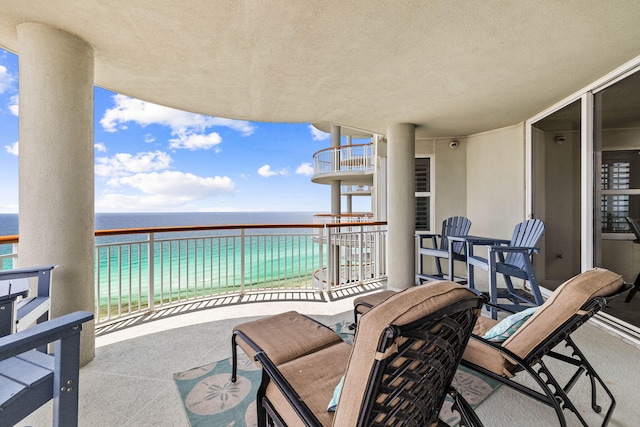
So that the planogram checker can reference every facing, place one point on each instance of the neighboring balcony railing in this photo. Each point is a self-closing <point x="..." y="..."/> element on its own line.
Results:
<point x="139" y="270"/>
<point x="345" y="158"/>
<point x="342" y="218"/>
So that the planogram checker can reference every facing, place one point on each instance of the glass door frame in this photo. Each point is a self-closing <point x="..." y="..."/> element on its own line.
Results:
<point x="587" y="189"/>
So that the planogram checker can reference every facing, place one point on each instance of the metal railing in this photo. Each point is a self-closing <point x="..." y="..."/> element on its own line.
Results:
<point x="345" y="158"/>
<point x="139" y="270"/>
<point x="349" y="218"/>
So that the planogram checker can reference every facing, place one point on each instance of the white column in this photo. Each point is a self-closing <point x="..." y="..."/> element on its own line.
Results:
<point x="336" y="209"/>
<point x="349" y="197"/>
<point x="401" y="213"/>
<point x="56" y="193"/>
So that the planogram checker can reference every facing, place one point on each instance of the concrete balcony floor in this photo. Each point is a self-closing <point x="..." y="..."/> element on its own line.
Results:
<point x="129" y="383"/>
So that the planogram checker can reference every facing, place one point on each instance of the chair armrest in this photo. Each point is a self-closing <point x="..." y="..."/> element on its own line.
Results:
<point x="301" y="409"/>
<point x="496" y="306"/>
<point x="43" y="333"/>
<point x="523" y="249"/>
<point x="20" y="273"/>
<point x="425" y="234"/>
<point x="478" y="240"/>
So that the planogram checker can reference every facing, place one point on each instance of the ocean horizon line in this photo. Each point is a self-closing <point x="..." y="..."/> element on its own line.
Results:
<point x="123" y="220"/>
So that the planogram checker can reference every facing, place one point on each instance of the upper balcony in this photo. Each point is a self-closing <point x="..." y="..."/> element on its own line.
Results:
<point x="351" y="164"/>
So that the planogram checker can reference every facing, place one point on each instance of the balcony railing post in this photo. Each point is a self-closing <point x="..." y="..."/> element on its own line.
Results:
<point x="330" y="263"/>
<point x="361" y="252"/>
<point x="152" y="279"/>
<point x="242" y="261"/>
<point x="321" y="236"/>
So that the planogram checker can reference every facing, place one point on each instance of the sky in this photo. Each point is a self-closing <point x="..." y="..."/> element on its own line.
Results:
<point x="150" y="158"/>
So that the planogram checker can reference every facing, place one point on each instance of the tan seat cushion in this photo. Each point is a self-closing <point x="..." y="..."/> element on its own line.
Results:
<point x="372" y="300"/>
<point x="285" y="336"/>
<point x="564" y="303"/>
<point x="314" y="377"/>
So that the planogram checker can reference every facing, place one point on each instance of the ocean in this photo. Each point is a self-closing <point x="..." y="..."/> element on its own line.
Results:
<point x="191" y="264"/>
<point x="108" y="221"/>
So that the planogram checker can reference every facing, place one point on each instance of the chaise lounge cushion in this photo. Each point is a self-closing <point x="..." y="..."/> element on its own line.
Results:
<point x="314" y="377"/>
<point x="304" y="336"/>
<point x="566" y="301"/>
<point x="372" y="300"/>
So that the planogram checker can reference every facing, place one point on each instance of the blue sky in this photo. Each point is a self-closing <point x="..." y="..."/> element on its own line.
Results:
<point x="150" y="158"/>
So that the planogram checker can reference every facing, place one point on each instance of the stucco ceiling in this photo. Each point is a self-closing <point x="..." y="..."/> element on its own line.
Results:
<point x="450" y="67"/>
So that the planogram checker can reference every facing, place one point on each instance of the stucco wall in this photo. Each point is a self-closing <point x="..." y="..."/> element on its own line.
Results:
<point x="496" y="181"/>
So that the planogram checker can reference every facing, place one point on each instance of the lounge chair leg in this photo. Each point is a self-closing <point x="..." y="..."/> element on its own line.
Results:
<point x="234" y="358"/>
<point x="632" y="292"/>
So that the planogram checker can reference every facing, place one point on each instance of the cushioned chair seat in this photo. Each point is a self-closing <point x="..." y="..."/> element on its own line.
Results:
<point x="314" y="377"/>
<point x="304" y="335"/>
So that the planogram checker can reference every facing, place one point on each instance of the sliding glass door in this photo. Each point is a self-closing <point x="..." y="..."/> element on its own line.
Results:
<point x="617" y="185"/>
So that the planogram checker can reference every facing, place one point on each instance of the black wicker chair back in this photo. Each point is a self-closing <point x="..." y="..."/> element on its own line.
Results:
<point x="408" y="388"/>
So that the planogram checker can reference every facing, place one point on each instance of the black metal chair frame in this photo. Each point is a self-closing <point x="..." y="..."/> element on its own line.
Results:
<point x="633" y="224"/>
<point x="554" y="394"/>
<point x="459" y="318"/>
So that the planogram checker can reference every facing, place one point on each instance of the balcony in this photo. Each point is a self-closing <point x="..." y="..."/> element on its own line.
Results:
<point x="351" y="164"/>
<point x="138" y="349"/>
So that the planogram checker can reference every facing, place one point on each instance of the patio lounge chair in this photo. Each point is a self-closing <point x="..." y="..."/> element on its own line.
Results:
<point x="30" y="378"/>
<point x="453" y="226"/>
<point x="511" y="258"/>
<point x="529" y="348"/>
<point x="397" y="373"/>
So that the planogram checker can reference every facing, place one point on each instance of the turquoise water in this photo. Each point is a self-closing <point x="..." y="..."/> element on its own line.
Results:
<point x="202" y="263"/>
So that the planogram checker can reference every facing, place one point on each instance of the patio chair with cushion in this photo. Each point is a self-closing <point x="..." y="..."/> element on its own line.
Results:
<point x="397" y="373"/>
<point x="502" y="351"/>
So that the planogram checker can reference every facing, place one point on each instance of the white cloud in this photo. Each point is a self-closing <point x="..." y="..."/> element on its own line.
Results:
<point x="125" y="163"/>
<point x="12" y="149"/>
<point x="196" y="141"/>
<point x="242" y="126"/>
<point x="6" y="79"/>
<point x="266" y="171"/>
<point x="149" y="138"/>
<point x="99" y="146"/>
<point x="305" y="169"/>
<point x="184" y="125"/>
<point x="14" y="105"/>
<point x="317" y="134"/>
<point x="180" y="185"/>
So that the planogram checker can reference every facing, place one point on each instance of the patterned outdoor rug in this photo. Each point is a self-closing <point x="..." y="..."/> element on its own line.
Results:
<point x="210" y="399"/>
